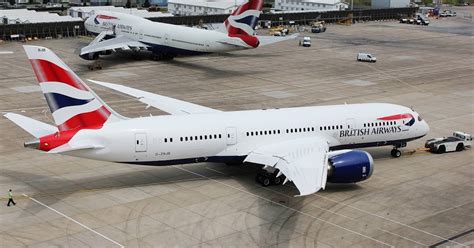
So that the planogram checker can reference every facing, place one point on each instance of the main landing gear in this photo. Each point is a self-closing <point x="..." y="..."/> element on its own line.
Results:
<point x="396" y="153"/>
<point x="266" y="178"/>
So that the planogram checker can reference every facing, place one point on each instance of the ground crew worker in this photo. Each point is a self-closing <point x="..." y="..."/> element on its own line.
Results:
<point x="10" y="198"/>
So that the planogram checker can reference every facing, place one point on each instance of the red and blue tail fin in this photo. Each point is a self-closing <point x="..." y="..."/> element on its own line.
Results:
<point x="242" y="22"/>
<point x="72" y="103"/>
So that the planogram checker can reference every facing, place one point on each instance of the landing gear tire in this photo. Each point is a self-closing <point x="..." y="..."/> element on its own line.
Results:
<point x="396" y="153"/>
<point x="277" y="180"/>
<point x="263" y="179"/>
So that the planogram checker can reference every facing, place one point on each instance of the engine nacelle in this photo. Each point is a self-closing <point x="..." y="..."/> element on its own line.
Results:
<point x="350" y="167"/>
<point x="106" y="52"/>
<point x="90" y="56"/>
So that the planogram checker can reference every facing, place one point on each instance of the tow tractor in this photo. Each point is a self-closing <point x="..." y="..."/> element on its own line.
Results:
<point x="458" y="142"/>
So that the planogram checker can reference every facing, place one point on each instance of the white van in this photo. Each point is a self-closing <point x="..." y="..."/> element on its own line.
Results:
<point x="306" y="42"/>
<point x="366" y="57"/>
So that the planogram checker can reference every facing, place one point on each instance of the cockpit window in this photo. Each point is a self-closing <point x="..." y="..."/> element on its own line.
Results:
<point x="419" y="118"/>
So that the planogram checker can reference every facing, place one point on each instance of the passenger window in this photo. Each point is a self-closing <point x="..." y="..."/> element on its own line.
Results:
<point x="166" y="140"/>
<point x="191" y="138"/>
<point x="320" y="128"/>
<point x="181" y="139"/>
<point x="205" y="137"/>
<point x="312" y="129"/>
<point x="220" y="136"/>
<point x="171" y="139"/>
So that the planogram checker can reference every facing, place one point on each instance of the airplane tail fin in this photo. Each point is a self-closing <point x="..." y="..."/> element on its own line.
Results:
<point x="242" y="22"/>
<point x="72" y="103"/>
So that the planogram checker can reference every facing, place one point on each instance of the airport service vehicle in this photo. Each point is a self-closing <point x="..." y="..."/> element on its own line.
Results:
<point x="367" y="57"/>
<point x="457" y="142"/>
<point x="120" y="31"/>
<point x="306" y="42"/>
<point x="307" y="145"/>
<point x="318" y="27"/>
<point x="403" y="20"/>
<point x="423" y="20"/>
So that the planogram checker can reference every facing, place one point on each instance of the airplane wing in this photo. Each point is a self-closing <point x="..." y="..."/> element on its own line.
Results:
<point x="120" y="42"/>
<point x="167" y="104"/>
<point x="36" y="128"/>
<point x="303" y="161"/>
<point x="267" y="40"/>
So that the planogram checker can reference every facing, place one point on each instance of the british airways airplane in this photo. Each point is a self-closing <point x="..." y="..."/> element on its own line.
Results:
<point x="120" y="31"/>
<point x="306" y="145"/>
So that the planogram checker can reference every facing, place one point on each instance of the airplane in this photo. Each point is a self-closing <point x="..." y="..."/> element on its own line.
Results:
<point x="121" y="31"/>
<point x="309" y="146"/>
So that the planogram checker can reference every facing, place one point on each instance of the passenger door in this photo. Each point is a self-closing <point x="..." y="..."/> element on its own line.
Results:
<point x="140" y="142"/>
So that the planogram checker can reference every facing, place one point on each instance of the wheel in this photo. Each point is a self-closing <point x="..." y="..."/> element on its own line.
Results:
<point x="460" y="147"/>
<point x="396" y="153"/>
<point x="441" y="149"/>
<point x="277" y="180"/>
<point x="266" y="181"/>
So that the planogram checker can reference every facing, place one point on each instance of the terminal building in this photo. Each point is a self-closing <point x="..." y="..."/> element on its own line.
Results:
<point x="202" y="7"/>
<point x="309" y="5"/>
<point x="385" y="4"/>
<point x="22" y="16"/>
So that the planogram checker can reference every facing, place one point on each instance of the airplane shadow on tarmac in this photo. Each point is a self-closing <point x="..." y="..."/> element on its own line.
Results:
<point x="275" y="204"/>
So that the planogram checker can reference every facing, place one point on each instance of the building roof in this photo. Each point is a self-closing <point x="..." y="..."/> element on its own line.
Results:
<point x="133" y="11"/>
<point x="218" y="4"/>
<point x="31" y="16"/>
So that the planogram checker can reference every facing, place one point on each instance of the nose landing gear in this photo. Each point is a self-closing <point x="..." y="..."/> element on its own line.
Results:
<point x="396" y="153"/>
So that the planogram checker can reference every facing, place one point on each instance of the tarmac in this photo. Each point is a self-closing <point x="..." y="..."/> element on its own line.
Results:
<point x="417" y="200"/>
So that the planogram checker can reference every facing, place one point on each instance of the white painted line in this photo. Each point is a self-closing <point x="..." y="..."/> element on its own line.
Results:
<point x="383" y="230"/>
<point x="390" y="220"/>
<point x="281" y="205"/>
<point x="220" y="172"/>
<point x="75" y="221"/>
<point x="6" y="52"/>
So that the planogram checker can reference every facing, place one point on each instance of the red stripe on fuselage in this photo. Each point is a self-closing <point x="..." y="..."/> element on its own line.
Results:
<point x="106" y="17"/>
<point x="395" y="117"/>
<point x="48" y="72"/>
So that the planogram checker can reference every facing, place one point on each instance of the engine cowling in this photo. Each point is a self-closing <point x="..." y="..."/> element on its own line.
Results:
<point x="90" y="56"/>
<point x="106" y="52"/>
<point x="350" y="167"/>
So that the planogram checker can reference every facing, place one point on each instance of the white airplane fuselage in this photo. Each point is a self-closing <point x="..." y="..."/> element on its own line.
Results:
<point x="230" y="136"/>
<point x="164" y="37"/>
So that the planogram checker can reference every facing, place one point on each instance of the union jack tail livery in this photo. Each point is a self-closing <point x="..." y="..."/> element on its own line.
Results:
<point x="241" y="23"/>
<point x="73" y="104"/>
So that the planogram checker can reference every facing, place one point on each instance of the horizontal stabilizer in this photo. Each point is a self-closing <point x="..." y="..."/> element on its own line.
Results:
<point x="267" y="40"/>
<point x="36" y="128"/>
<point x="69" y="148"/>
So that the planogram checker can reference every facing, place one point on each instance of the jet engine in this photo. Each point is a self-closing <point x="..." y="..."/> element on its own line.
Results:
<point x="90" y="56"/>
<point x="350" y="166"/>
<point x="106" y="52"/>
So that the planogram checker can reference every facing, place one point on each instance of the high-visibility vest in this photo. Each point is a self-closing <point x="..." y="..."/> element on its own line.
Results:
<point x="10" y="195"/>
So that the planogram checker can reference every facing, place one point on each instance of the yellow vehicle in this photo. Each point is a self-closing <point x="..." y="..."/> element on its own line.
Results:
<point x="318" y="27"/>
<point x="279" y="31"/>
